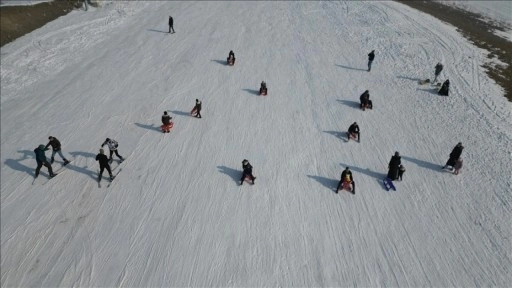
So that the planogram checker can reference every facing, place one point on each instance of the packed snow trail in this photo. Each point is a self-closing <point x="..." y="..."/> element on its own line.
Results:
<point x="176" y="215"/>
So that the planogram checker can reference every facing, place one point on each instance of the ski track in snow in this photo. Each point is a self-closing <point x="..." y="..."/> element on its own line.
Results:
<point x="176" y="216"/>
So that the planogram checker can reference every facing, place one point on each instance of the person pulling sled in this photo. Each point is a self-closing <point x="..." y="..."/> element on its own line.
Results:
<point x="353" y="131"/>
<point x="346" y="182"/>
<point x="231" y="58"/>
<point x="365" y="101"/>
<point x="247" y="172"/>
<point x="167" y="124"/>
<point x="197" y="109"/>
<point x="263" y="88"/>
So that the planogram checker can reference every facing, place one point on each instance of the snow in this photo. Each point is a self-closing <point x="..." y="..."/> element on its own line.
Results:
<point x="498" y="12"/>
<point x="176" y="216"/>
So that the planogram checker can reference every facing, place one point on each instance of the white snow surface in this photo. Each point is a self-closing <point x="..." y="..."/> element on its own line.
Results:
<point x="500" y="11"/>
<point x="22" y="2"/>
<point x="176" y="216"/>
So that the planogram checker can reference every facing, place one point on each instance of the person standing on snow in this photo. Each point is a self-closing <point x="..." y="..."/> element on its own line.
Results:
<point x="171" y="22"/>
<point x="231" y="56"/>
<point x="56" y="148"/>
<point x="247" y="167"/>
<point x="371" y="56"/>
<point x="104" y="164"/>
<point x="112" y="146"/>
<point x="445" y="88"/>
<point x="197" y="109"/>
<point x="394" y="166"/>
<point x="456" y="152"/>
<point x="438" y="69"/>
<point x="42" y="161"/>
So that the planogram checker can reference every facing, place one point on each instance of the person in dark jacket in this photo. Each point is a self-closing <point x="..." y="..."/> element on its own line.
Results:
<point x="42" y="161"/>
<point x="112" y="146"/>
<point x="437" y="71"/>
<point x="166" y="123"/>
<point x="445" y="88"/>
<point x="365" y="100"/>
<point x="371" y="56"/>
<point x="231" y="57"/>
<point x="354" y="130"/>
<point x="247" y="167"/>
<point x="104" y="164"/>
<point x="197" y="109"/>
<point x="263" y="88"/>
<point x="171" y="22"/>
<point x="346" y="177"/>
<point x="454" y="156"/>
<point x="401" y="171"/>
<point x="56" y="148"/>
<point x="394" y="166"/>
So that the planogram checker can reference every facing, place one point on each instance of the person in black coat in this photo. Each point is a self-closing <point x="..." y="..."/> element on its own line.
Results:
<point x="365" y="100"/>
<point x="394" y="166"/>
<point x="454" y="156"/>
<point x="247" y="167"/>
<point x="437" y="71"/>
<point x="166" y="123"/>
<point x="347" y="173"/>
<point x="445" y="88"/>
<point x="231" y="57"/>
<point x="371" y="56"/>
<point x="104" y="164"/>
<point x="197" y="109"/>
<point x="354" y="130"/>
<point x="171" y="22"/>
<point x="41" y="161"/>
<point x="56" y="149"/>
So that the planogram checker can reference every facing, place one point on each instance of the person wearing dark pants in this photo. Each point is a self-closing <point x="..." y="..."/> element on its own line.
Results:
<point x="454" y="156"/>
<point x="56" y="149"/>
<point x="401" y="171"/>
<point x="104" y="164"/>
<point x="247" y="172"/>
<point x="171" y="22"/>
<point x="394" y="165"/>
<point x="346" y="177"/>
<point x="371" y="56"/>
<point x="197" y="108"/>
<point x="42" y="161"/>
<point x="112" y="146"/>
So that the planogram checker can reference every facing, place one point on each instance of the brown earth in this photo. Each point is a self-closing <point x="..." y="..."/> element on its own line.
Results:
<point x="480" y="33"/>
<point x="16" y="21"/>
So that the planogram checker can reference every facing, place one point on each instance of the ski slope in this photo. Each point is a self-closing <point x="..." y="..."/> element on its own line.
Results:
<point x="176" y="216"/>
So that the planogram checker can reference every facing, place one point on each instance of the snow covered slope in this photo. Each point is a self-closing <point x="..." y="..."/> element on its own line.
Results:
<point x="176" y="216"/>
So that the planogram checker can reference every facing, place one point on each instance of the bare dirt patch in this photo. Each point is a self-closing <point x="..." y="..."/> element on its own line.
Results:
<point x="480" y="33"/>
<point x="16" y="21"/>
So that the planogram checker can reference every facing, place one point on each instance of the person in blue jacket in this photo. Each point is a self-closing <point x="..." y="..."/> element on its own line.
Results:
<point x="42" y="161"/>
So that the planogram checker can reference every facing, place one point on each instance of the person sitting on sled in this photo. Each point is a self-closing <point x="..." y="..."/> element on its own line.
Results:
<point x="166" y="123"/>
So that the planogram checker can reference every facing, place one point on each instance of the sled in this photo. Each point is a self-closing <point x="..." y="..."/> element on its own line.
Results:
<point x="352" y="136"/>
<point x="388" y="184"/>
<point x="167" y="128"/>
